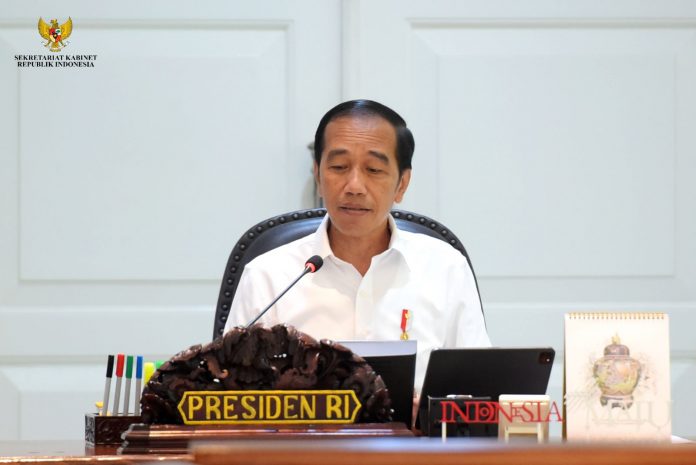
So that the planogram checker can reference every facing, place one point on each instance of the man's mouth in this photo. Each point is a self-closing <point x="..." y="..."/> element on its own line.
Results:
<point x="353" y="209"/>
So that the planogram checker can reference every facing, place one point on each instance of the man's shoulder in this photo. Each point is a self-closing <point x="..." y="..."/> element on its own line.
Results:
<point x="430" y="249"/>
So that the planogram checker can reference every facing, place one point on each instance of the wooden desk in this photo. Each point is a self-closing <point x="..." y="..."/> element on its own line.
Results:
<point x="74" y="453"/>
<point x="377" y="451"/>
<point x="431" y="451"/>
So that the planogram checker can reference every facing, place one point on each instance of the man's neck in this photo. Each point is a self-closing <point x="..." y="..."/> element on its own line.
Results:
<point x="358" y="251"/>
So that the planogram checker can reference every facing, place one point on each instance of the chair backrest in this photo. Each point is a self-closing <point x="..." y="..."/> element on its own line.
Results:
<point x="282" y="229"/>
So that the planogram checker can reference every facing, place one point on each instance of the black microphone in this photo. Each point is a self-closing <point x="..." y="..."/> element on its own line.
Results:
<point x="312" y="265"/>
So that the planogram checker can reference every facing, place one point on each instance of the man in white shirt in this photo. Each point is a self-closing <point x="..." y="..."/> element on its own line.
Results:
<point x="372" y="271"/>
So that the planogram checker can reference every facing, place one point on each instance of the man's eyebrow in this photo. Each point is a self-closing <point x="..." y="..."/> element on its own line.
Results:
<point x="374" y="153"/>
<point x="381" y="156"/>
<point x="335" y="152"/>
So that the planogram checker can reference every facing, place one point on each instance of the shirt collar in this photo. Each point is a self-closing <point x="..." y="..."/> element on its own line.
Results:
<point x="397" y="243"/>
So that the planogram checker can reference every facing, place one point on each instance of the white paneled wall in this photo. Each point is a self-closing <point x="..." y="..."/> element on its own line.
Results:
<point x="556" y="139"/>
<point x="124" y="186"/>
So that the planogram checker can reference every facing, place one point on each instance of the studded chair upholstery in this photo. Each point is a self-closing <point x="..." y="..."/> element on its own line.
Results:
<point x="279" y="230"/>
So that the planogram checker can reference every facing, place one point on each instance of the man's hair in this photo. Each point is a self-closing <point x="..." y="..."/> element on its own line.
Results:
<point x="368" y="108"/>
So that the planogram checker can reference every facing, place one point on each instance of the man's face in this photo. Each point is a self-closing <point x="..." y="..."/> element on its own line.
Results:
<point x="358" y="177"/>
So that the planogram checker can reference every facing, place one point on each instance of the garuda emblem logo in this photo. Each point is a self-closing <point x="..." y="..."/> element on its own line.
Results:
<point x="55" y="34"/>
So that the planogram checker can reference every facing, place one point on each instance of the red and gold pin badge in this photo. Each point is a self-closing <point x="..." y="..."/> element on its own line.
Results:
<point x="405" y="324"/>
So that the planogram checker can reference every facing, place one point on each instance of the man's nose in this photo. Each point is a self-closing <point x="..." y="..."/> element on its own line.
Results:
<point x="356" y="182"/>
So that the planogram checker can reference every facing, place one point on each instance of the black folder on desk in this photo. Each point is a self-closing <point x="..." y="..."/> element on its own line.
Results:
<point x="395" y="362"/>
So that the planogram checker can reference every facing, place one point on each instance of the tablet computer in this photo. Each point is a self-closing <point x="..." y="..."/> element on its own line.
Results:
<point x="485" y="372"/>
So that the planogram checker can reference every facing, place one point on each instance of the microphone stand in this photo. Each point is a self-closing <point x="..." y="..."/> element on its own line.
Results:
<point x="308" y="269"/>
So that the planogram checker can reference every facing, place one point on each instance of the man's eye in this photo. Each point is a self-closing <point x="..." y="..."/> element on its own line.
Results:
<point x="374" y="170"/>
<point x="337" y="167"/>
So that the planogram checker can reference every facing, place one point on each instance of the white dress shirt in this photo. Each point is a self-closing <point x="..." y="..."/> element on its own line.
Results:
<point x="422" y="274"/>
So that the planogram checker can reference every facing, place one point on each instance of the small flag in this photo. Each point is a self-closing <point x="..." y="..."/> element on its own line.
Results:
<point x="405" y="324"/>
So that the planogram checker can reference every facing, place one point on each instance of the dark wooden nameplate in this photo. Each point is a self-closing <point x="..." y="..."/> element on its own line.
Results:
<point x="174" y="439"/>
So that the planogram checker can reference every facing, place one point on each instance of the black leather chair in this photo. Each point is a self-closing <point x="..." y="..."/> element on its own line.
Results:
<point x="279" y="230"/>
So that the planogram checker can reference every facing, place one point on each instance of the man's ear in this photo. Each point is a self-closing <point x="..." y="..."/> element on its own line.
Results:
<point x="316" y="178"/>
<point x="402" y="186"/>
